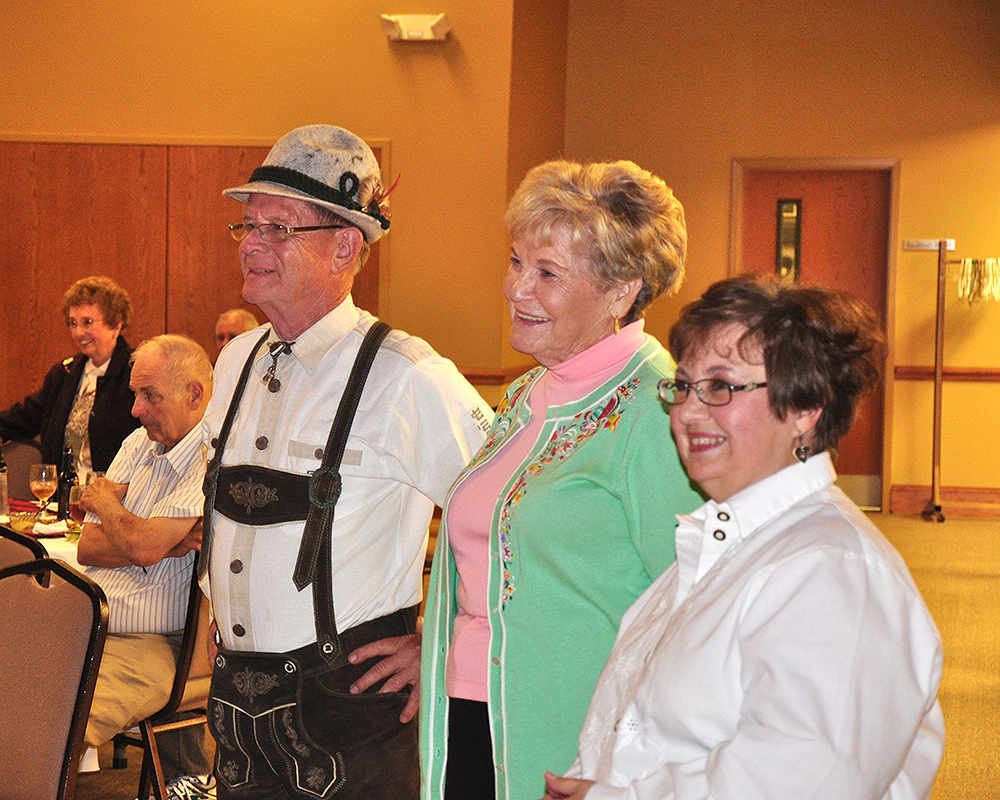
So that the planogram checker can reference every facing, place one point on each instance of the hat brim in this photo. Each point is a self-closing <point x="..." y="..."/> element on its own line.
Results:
<point x="371" y="228"/>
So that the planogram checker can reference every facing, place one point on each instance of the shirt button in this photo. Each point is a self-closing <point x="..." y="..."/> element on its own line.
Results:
<point x="239" y="630"/>
<point x="215" y="441"/>
<point x="319" y="453"/>
<point x="720" y="535"/>
<point x="723" y="516"/>
<point x="496" y="662"/>
<point x="261" y="443"/>
<point x="236" y="567"/>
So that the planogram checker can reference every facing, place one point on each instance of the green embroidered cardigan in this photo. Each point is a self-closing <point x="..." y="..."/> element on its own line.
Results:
<point x="579" y="532"/>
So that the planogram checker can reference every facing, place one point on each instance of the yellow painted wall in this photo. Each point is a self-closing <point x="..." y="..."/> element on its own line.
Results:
<point x="136" y="70"/>
<point x="683" y="88"/>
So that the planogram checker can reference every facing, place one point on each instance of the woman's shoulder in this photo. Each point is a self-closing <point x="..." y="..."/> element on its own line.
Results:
<point x="62" y="370"/>
<point x="828" y="523"/>
<point x="120" y="363"/>
<point x="656" y="358"/>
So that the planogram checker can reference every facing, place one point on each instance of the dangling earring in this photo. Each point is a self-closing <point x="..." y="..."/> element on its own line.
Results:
<point x="618" y="327"/>
<point x="802" y="451"/>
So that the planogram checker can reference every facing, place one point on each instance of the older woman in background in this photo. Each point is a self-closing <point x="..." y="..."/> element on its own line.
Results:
<point x="85" y="401"/>
<point x="787" y="653"/>
<point x="558" y="523"/>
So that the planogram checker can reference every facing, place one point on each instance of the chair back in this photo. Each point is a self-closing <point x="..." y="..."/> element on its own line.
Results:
<point x="53" y="638"/>
<point x="194" y="673"/>
<point x="16" y="548"/>
<point x="19" y="457"/>
<point x="192" y="681"/>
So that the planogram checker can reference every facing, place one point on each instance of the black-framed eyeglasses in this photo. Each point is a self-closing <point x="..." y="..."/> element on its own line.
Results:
<point x="711" y="391"/>
<point x="272" y="232"/>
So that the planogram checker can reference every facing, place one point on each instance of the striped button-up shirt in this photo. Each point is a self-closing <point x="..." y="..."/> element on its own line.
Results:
<point x="161" y="484"/>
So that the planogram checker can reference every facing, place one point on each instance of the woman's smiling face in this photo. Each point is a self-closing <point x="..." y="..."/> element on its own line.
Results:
<point x="727" y="448"/>
<point x="95" y="338"/>
<point x="556" y="309"/>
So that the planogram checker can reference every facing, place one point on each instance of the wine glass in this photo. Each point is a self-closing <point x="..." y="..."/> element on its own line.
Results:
<point x="43" y="481"/>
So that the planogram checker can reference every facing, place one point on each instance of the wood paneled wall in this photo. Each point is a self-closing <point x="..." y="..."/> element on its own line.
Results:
<point x="152" y="217"/>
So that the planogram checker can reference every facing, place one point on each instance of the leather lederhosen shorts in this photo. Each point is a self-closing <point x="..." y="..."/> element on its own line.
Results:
<point x="286" y="725"/>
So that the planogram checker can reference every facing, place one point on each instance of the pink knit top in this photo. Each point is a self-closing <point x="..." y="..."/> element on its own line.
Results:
<point x="469" y="512"/>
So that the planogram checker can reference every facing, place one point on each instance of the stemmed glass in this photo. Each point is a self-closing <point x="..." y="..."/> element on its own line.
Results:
<point x="43" y="481"/>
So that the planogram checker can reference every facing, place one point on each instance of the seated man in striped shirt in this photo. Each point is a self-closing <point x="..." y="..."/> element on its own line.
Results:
<point x="138" y="540"/>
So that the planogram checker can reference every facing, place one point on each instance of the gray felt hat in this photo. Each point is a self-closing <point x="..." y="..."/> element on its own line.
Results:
<point x="328" y="166"/>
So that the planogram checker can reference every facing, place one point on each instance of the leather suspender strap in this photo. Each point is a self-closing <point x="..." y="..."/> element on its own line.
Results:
<point x="315" y="564"/>
<point x="325" y="483"/>
<point x="211" y="484"/>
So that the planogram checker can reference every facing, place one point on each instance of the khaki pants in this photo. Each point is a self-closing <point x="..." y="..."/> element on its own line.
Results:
<point x="134" y="681"/>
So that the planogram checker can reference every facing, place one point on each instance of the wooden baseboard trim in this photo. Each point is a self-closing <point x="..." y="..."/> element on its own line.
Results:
<point x="958" y="501"/>
<point x="496" y="377"/>
<point x="911" y="372"/>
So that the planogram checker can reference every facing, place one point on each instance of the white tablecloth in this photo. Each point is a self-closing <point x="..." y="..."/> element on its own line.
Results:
<point x="56" y="546"/>
<point x="63" y="550"/>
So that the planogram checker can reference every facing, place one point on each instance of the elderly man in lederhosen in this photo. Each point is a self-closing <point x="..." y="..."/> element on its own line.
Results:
<point x="332" y="437"/>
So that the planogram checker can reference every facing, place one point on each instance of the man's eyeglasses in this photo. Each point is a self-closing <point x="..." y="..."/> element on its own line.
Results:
<point x="711" y="391"/>
<point x="272" y="232"/>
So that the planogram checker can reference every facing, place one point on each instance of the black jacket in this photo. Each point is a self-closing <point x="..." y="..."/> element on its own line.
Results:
<point x="46" y="412"/>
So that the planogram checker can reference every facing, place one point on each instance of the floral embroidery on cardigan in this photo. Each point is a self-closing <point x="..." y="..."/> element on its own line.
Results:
<point x="563" y="441"/>
<point x="504" y="419"/>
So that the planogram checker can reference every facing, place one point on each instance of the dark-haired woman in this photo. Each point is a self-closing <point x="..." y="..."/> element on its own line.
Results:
<point x="787" y="653"/>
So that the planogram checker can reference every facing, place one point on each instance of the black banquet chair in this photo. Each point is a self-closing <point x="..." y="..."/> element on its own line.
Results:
<point x="16" y="548"/>
<point x="53" y="635"/>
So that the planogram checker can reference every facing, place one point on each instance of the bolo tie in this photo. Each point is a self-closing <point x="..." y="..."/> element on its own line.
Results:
<point x="276" y="349"/>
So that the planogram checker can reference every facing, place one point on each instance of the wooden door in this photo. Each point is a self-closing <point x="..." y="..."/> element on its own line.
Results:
<point x="844" y="240"/>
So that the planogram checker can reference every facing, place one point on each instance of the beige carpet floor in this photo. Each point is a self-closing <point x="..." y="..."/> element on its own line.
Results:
<point x="956" y="564"/>
<point x="114" y="784"/>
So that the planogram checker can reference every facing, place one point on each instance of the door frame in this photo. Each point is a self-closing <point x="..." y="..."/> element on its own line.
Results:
<point x="741" y="166"/>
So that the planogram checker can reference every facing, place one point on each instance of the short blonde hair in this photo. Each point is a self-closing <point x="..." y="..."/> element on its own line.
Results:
<point x="624" y="220"/>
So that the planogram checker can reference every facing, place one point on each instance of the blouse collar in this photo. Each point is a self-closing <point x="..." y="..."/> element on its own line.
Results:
<point x="763" y="501"/>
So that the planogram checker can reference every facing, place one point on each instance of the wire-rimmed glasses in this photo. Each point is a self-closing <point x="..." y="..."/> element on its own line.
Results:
<point x="711" y="391"/>
<point x="272" y="232"/>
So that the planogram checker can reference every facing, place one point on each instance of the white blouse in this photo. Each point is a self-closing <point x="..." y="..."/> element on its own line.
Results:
<point x="786" y="654"/>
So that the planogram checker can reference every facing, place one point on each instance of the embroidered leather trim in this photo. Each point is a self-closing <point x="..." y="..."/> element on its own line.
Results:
<point x="255" y="495"/>
<point x="252" y="495"/>
<point x="251" y="684"/>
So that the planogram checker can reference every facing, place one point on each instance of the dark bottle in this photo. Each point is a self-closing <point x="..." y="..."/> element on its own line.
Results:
<point x="4" y="504"/>
<point x="67" y="480"/>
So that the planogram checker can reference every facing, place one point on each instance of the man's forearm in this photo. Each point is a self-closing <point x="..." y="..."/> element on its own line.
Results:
<point x="95" y="549"/>
<point x="142" y="542"/>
